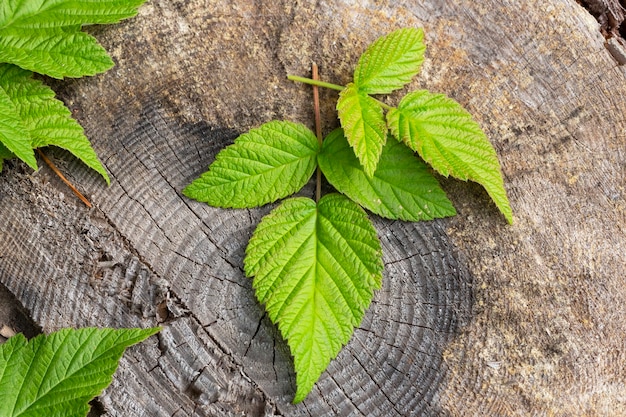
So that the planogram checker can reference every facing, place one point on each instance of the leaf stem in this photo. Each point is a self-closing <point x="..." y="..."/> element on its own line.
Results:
<point x="315" y="82"/>
<point x="65" y="180"/>
<point x="383" y="105"/>
<point x="318" y="83"/>
<point x="318" y="129"/>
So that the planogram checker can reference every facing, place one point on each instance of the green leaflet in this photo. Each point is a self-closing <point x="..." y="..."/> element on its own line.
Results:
<point x="364" y="125"/>
<point x="315" y="268"/>
<point x="45" y="119"/>
<point x="13" y="133"/>
<point x="390" y="62"/>
<point x="44" y="35"/>
<point x="401" y="188"/>
<point x="446" y="136"/>
<point x="58" y="374"/>
<point x="36" y="14"/>
<point x="56" y="52"/>
<point x="262" y="166"/>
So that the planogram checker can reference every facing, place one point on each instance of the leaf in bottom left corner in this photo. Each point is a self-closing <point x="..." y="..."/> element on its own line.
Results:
<point x="58" y="374"/>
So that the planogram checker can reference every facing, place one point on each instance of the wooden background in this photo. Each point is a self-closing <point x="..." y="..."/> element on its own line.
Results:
<point x="475" y="317"/>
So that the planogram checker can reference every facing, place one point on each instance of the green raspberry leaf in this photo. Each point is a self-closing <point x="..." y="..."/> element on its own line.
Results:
<point x="364" y="125"/>
<point x="46" y="121"/>
<point x="445" y="135"/>
<point x="60" y="373"/>
<point x="315" y="268"/>
<point x="13" y="133"/>
<point x="44" y="35"/>
<point x="263" y="165"/>
<point x="402" y="186"/>
<point x="56" y="52"/>
<point x="390" y="62"/>
<point x="37" y="14"/>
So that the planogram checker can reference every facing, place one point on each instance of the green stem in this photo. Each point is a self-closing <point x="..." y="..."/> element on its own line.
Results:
<point x="315" y="82"/>
<point x="331" y="86"/>
<point x="318" y="129"/>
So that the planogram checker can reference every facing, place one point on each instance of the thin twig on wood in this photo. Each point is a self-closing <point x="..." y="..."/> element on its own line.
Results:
<point x="65" y="180"/>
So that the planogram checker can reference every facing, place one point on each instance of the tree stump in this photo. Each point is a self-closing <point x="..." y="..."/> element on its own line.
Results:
<point x="475" y="317"/>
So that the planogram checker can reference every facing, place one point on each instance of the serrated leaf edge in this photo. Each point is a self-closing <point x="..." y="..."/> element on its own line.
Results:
<point x="367" y="147"/>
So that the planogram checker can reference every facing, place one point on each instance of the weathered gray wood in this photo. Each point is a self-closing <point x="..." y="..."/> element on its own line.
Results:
<point x="13" y="318"/>
<point x="474" y="318"/>
<point x="211" y="310"/>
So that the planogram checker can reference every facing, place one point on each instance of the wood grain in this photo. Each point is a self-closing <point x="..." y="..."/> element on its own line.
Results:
<point x="474" y="318"/>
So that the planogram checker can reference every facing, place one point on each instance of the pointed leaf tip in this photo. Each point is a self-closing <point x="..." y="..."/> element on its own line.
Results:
<point x="445" y="135"/>
<point x="390" y="62"/>
<point x="55" y="52"/>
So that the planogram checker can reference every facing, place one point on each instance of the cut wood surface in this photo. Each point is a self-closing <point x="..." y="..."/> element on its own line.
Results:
<point x="475" y="317"/>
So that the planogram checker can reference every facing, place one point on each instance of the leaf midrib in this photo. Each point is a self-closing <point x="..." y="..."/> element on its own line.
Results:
<point x="250" y="177"/>
<point x="55" y="55"/>
<point x="67" y="376"/>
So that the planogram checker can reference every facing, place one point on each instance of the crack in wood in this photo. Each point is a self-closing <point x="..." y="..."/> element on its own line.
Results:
<point x="258" y="327"/>
<point x="211" y="275"/>
<point x="186" y="365"/>
<point x="380" y="389"/>
<point x="140" y="203"/>
<point x="611" y="15"/>
<point x="139" y="281"/>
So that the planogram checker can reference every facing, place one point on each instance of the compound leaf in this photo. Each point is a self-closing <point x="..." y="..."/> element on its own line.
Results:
<point x="445" y="135"/>
<point x="364" y="125"/>
<point x="390" y="62"/>
<point x="60" y="373"/>
<point x="45" y="119"/>
<point x="262" y="166"/>
<point x="402" y="186"/>
<point x="56" y="52"/>
<point x="315" y="268"/>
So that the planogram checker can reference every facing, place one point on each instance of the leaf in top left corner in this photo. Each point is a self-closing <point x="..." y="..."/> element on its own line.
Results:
<point x="41" y="118"/>
<point x="13" y="133"/>
<point x="44" y="35"/>
<point x="36" y="14"/>
<point x="56" y="52"/>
